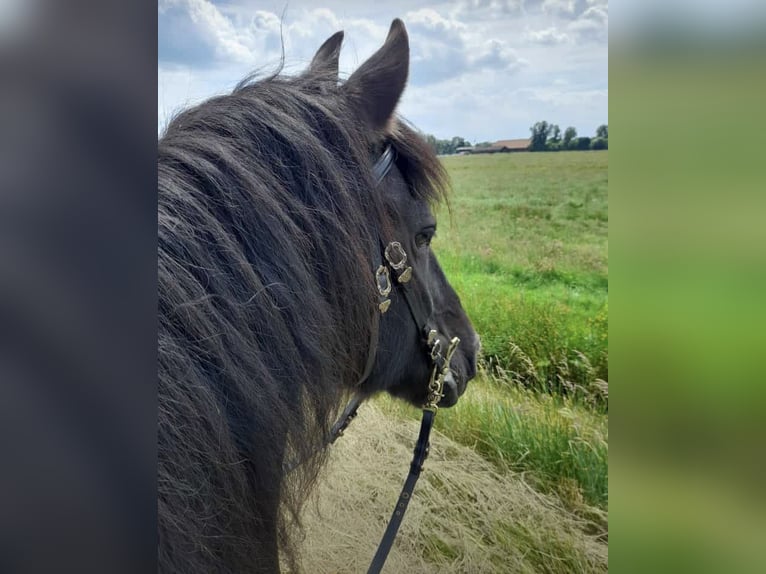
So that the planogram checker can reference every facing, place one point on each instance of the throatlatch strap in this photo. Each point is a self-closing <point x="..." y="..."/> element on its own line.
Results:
<point x="418" y="458"/>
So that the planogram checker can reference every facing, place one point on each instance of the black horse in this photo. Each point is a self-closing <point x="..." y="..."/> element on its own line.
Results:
<point x="271" y="221"/>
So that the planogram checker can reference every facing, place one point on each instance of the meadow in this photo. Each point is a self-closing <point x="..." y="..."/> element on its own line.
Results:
<point x="526" y="247"/>
<point x="517" y="479"/>
<point x="525" y="244"/>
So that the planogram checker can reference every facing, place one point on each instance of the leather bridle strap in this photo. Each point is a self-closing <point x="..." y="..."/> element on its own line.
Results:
<point x="419" y="457"/>
<point x="380" y="170"/>
<point x="415" y="306"/>
<point x="397" y="258"/>
<point x="383" y="164"/>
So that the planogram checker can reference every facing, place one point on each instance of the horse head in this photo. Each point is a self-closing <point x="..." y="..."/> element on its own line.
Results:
<point x="418" y="307"/>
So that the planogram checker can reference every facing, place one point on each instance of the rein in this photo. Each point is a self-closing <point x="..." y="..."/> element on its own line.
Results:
<point x="396" y="264"/>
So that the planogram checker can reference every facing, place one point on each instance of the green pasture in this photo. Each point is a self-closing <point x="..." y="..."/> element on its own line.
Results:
<point x="561" y="445"/>
<point x="526" y="247"/>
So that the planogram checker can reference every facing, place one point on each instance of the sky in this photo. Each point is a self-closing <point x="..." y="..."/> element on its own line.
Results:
<point x="483" y="70"/>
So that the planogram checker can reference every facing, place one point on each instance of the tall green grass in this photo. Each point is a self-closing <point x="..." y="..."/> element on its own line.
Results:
<point x="560" y="444"/>
<point x="526" y="248"/>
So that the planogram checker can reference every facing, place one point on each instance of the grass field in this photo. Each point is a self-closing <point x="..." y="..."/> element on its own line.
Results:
<point x="527" y="250"/>
<point x="518" y="476"/>
<point x="466" y="515"/>
<point x="525" y="244"/>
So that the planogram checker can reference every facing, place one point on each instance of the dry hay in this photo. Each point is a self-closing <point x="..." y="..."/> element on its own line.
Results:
<point x="464" y="517"/>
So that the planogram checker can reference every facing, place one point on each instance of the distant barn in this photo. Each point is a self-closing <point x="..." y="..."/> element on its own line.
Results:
<point x="500" y="146"/>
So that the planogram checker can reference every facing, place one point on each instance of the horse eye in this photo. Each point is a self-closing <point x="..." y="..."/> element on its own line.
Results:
<point x="423" y="239"/>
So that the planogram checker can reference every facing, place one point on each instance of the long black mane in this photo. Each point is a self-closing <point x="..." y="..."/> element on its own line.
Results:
<point x="268" y="219"/>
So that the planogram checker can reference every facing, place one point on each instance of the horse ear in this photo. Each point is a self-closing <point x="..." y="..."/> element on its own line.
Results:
<point x="326" y="58"/>
<point x="376" y="86"/>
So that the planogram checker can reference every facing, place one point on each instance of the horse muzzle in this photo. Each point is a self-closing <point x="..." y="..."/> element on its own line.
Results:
<point x="462" y="370"/>
<point x="451" y="391"/>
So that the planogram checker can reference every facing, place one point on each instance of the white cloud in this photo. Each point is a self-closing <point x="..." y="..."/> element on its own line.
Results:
<point x="497" y="55"/>
<point x="548" y="37"/>
<point x="592" y="25"/>
<point x="488" y="106"/>
<point x="428" y="19"/>
<point x="196" y="31"/>
<point x="561" y="8"/>
<point x="264" y="22"/>
<point x="469" y="59"/>
<point x="571" y="9"/>
<point x="488" y="8"/>
<point x="312" y="23"/>
<point x="443" y="48"/>
<point x="563" y="98"/>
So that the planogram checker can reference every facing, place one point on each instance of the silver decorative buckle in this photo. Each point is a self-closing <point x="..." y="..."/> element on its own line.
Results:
<point x="397" y="258"/>
<point x="383" y="280"/>
<point x="383" y="283"/>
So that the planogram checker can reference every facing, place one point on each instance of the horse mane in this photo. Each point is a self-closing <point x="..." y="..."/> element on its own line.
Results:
<point x="267" y="222"/>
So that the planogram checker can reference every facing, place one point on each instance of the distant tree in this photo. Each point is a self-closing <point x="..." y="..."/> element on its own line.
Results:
<point x="433" y="142"/>
<point x="602" y="131"/>
<point x="599" y="143"/>
<point x="457" y="142"/>
<point x="569" y="136"/>
<point x="446" y="147"/>
<point x="582" y="143"/>
<point x="540" y="132"/>
<point x="555" y="134"/>
<point x="484" y="144"/>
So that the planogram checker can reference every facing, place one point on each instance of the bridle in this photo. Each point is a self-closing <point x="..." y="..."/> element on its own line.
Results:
<point x="392" y="268"/>
<point x="395" y="264"/>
